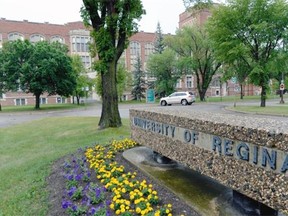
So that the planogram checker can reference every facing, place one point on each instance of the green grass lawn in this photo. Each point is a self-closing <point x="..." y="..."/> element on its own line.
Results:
<point x="281" y="110"/>
<point x="27" y="152"/>
<point x="43" y="107"/>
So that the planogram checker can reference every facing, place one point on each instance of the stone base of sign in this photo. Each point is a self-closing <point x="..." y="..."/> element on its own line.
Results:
<point x="249" y="155"/>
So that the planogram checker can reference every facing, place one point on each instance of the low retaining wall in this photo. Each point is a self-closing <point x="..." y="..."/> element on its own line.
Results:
<point x="247" y="154"/>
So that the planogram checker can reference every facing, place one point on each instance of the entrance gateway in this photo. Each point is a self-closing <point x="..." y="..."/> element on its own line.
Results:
<point x="249" y="155"/>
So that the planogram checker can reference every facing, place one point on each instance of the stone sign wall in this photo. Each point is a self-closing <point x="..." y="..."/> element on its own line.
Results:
<point x="246" y="154"/>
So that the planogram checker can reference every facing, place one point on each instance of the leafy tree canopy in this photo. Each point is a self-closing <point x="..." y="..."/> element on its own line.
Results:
<point x="38" y="68"/>
<point x="164" y="68"/>
<point x="195" y="52"/>
<point x="250" y="31"/>
<point x="197" y="4"/>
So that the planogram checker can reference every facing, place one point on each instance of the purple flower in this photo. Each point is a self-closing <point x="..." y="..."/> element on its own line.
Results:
<point x="65" y="204"/>
<point x="74" y="207"/>
<point x="72" y="191"/>
<point x="108" y="202"/>
<point x="92" y="211"/>
<point x="78" y="177"/>
<point x="98" y="192"/>
<point x="108" y="213"/>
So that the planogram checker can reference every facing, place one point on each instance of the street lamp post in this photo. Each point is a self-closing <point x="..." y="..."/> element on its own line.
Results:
<point x="85" y="90"/>
<point x="281" y="92"/>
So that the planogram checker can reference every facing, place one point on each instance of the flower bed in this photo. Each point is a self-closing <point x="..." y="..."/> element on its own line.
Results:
<point x="114" y="191"/>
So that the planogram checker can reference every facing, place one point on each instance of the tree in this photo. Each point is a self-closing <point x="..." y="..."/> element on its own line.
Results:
<point x="83" y="81"/>
<point x="38" y="68"/>
<point x="194" y="49"/>
<point x="113" y="23"/>
<point x="159" y="41"/>
<point x="138" y="88"/>
<point x="240" y="70"/>
<point x="123" y="79"/>
<point x="164" y="68"/>
<point x="197" y="4"/>
<point x="250" y="30"/>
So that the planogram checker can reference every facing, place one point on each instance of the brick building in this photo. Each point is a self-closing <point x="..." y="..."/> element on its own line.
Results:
<point x="77" y="38"/>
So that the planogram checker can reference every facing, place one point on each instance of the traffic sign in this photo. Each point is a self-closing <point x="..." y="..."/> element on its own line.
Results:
<point x="282" y="86"/>
<point x="234" y="80"/>
<point x="150" y="96"/>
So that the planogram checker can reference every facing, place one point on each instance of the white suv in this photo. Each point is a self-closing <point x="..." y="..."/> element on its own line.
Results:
<point x="184" y="98"/>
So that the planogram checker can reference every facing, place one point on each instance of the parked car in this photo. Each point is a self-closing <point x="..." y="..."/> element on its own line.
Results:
<point x="184" y="98"/>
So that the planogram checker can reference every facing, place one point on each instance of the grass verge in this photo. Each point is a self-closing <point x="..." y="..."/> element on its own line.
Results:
<point x="27" y="152"/>
<point x="268" y="110"/>
<point x="43" y="107"/>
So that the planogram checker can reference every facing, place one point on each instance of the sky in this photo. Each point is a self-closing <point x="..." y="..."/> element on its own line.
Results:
<point x="166" y="12"/>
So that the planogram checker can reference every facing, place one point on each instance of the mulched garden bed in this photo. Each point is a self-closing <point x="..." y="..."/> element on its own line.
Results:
<point x="56" y="184"/>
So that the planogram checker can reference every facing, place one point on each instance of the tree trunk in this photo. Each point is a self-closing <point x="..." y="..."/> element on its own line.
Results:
<point x="241" y="91"/>
<point x="37" y="103"/>
<point x="78" y="99"/>
<point x="110" y="116"/>
<point x="202" y="94"/>
<point x="263" y="96"/>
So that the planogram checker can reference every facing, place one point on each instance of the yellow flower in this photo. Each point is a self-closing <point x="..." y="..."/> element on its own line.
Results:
<point x="112" y="206"/>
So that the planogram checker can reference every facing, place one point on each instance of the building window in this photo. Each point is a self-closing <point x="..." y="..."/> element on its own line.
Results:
<point x="60" y="100"/>
<point x="20" y="101"/>
<point x="86" y="60"/>
<point x="80" y="43"/>
<point x="36" y="38"/>
<point x="189" y="83"/>
<point x="215" y="83"/>
<point x="149" y="49"/>
<point x="135" y="48"/>
<point x="43" y="100"/>
<point x="15" y="36"/>
<point x="57" y="39"/>
<point x="124" y="97"/>
<point x="178" y="83"/>
<point x="1" y="95"/>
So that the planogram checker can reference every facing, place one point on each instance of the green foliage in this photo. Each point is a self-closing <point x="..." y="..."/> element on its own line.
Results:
<point x="38" y="68"/>
<point x="195" y="52"/>
<point x="84" y="83"/>
<point x="14" y="60"/>
<point x="197" y="4"/>
<point x="138" y="88"/>
<point x="163" y="68"/>
<point x="159" y="41"/>
<point x="250" y="31"/>
<point x="123" y="79"/>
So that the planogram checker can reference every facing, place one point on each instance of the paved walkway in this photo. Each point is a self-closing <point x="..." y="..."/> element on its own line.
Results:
<point x="9" y="119"/>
